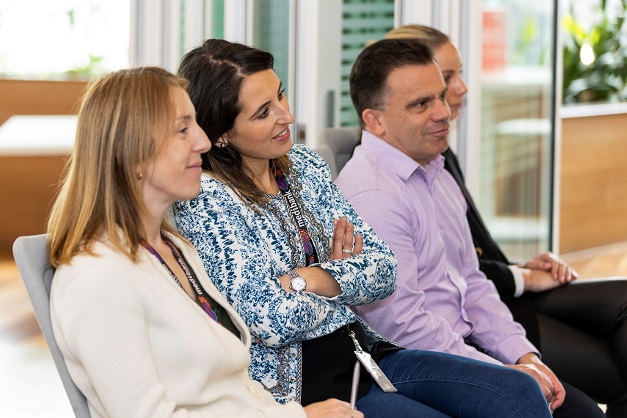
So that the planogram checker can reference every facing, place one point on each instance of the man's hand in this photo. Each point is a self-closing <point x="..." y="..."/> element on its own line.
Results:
<point x="552" y="388"/>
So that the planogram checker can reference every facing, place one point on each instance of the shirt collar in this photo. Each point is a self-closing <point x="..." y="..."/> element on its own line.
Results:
<point x="397" y="161"/>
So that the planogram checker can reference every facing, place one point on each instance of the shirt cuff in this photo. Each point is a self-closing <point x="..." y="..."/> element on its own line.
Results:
<point x="519" y="280"/>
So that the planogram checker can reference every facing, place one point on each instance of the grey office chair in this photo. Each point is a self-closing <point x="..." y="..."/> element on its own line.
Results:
<point x="31" y="257"/>
<point x="342" y="141"/>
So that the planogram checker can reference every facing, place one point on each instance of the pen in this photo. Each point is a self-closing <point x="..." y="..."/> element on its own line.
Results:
<point x="355" y="384"/>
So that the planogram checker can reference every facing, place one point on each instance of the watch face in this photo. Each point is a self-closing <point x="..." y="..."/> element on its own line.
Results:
<point x="298" y="283"/>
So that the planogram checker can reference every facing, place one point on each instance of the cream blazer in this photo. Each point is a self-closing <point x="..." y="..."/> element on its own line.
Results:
<point x="138" y="346"/>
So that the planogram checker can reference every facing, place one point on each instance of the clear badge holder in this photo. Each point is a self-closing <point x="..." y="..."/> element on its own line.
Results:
<point x="369" y="364"/>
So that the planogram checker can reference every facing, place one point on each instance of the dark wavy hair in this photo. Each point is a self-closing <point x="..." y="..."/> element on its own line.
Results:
<point x="216" y="71"/>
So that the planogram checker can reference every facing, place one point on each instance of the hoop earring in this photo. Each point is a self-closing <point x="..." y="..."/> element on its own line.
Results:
<point x="139" y="175"/>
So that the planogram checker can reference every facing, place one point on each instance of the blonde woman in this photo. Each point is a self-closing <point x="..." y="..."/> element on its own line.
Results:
<point x="143" y="330"/>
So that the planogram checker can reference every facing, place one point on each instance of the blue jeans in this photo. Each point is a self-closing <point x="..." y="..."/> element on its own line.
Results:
<point x="432" y="384"/>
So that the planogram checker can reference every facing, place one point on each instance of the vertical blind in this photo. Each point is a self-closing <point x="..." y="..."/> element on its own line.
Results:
<point x="362" y="21"/>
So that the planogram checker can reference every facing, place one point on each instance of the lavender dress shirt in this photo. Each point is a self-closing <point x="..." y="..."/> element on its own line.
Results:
<point x="442" y="300"/>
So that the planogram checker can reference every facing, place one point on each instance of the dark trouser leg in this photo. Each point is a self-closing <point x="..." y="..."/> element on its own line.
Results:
<point x="583" y="328"/>
<point x="577" y="405"/>
<point x="377" y="403"/>
<point x="582" y="359"/>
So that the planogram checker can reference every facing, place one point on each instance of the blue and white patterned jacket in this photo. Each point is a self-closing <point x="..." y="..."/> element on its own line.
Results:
<point x="245" y="252"/>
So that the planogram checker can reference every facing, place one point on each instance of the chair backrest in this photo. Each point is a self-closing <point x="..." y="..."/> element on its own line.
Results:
<point x="342" y="142"/>
<point x="31" y="257"/>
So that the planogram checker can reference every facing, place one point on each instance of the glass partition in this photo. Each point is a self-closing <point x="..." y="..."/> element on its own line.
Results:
<point x="517" y="123"/>
<point x="271" y="33"/>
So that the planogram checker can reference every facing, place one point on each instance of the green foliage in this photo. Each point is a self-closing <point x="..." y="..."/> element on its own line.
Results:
<point x="603" y="79"/>
<point x="84" y="72"/>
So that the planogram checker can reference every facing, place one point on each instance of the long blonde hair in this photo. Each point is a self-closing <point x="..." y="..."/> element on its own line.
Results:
<point x="121" y="123"/>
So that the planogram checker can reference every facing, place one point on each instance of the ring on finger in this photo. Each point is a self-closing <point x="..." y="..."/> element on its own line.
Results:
<point x="347" y="251"/>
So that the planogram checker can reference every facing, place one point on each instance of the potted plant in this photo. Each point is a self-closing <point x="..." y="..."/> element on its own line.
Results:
<point x="594" y="59"/>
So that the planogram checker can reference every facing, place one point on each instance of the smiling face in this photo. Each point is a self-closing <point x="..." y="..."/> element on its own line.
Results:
<point x="261" y="130"/>
<point x="450" y="64"/>
<point x="415" y="115"/>
<point x="174" y="172"/>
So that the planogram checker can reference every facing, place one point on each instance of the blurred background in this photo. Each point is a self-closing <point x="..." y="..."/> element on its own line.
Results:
<point x="542" y="139"/>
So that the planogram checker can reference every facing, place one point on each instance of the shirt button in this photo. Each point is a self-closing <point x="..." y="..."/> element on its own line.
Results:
<point x="292" y="379"/>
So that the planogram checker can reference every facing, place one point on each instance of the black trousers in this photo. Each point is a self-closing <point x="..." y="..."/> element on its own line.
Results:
<point x="583" y="338"/>
<point x="577" y="404"/>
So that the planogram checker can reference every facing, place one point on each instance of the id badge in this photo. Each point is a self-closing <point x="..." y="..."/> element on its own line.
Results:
<point x="377" y="374"/>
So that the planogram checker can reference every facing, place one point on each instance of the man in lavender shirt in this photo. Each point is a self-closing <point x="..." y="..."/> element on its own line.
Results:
<point x="396" y="182"/>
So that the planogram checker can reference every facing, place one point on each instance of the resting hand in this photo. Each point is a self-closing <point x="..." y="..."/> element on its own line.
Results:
<point x="538" y="280"/>
<point x="332" y="408"/>
<point x="345" y="242"/>
<point x="552" y="388"/>
<point x="551" y="263"/>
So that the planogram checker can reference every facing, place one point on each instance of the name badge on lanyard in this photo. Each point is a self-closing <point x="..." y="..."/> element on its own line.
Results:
<point x="366" y="360"/>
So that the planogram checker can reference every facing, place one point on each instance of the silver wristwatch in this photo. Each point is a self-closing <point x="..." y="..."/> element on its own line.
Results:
<point x="297" y="282"/>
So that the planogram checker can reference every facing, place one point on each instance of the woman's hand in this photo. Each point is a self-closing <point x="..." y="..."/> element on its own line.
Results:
<point x="332" y="408"/>
<point x="549" y="262"/>
<point x="537" y="280"/>
<point x="345" y="242"/>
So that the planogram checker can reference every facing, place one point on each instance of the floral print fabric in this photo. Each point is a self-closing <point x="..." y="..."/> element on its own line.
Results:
<point x="245" y="249"/>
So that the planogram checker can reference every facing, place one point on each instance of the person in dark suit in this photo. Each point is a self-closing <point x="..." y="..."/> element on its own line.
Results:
<point x="579" y="326"/>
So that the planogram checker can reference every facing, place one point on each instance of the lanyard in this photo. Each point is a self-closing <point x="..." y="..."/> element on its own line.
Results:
<point x="311" y="256"/>
<point x="201" y="298"/>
